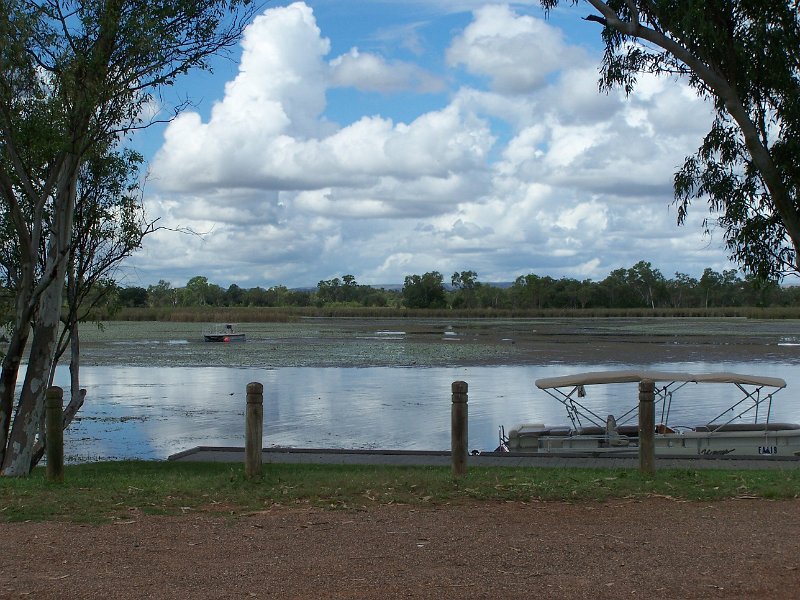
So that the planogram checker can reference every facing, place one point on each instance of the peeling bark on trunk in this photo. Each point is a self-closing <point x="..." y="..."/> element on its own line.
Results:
<point x="17" y="460"/>
<point x="8" y="383"/>
<point x="16" y="349"/>
<point x="102" y="69"/>
<point x="19" y="450"/>
<point x="77" y="395"/>
<point x="31" y="404"/>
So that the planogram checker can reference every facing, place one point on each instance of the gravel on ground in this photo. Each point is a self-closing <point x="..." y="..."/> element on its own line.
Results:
<point x="653" y="548"/>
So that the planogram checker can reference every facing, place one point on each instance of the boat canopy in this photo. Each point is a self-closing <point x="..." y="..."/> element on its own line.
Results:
<point x="605" y="377"/>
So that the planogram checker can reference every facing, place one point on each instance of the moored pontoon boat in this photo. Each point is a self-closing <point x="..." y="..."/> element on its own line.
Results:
<point x="743" y="429"/>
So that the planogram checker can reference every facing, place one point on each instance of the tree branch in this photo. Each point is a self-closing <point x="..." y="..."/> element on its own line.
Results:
<point x="712" y="77"/>
<point x="596" y="19"/>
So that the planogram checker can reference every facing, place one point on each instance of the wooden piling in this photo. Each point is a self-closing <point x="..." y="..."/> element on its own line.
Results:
<point x="54" y="433"/>
<point x="647" y="426"/>
<point x="254" y="430"/>
<point x="459" y="437"/>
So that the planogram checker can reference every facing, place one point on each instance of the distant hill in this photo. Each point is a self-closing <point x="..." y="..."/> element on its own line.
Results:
<point x="447" y="286"/>
<point x="397" y="287"/>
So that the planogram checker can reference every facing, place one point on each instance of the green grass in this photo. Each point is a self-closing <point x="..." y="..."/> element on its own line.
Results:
<point x="102" y="492"/>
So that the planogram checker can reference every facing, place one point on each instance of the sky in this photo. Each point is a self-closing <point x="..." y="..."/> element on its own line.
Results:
<point x="385" y="138"/>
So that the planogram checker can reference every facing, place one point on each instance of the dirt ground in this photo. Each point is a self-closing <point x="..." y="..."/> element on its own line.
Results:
<point x="656" y="548"/>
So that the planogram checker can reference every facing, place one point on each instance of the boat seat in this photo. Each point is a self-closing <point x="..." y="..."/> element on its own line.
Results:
<point x="530" y="429"/>
<point x="633" y="430"/>
<point x="629" y="430"/>
<point x="590" y="430"/>
<point x="559" y="431"/>
<point x="537" y="430"/>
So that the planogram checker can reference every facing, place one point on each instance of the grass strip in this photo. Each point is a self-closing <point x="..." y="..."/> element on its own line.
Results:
<point x="107" y="491"/>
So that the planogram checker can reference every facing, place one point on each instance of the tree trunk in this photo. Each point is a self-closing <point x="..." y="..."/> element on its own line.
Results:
<point x="779" y="193"/>
<point x="77" y="395"/>
<point x="21" y="443"/>
<point x="18" y="456"/>
<point x="16" y="348"/>
<point x="8" y="382"/>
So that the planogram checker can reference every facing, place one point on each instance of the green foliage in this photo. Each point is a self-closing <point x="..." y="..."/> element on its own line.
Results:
<point x="108" y="226"/>
<point x="133" y="297"/>
<point x="467" y="288"/>
<point x="348" y="292"/>
<point x="162" y="294"/>
<point x="75" y="79"/>
<point x="424" y="291"/>
<point x="744" y="56"/>
<point x="640" y="287"/>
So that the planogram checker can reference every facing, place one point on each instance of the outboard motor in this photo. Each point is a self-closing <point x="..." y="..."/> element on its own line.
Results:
<point x="503" y="447"/>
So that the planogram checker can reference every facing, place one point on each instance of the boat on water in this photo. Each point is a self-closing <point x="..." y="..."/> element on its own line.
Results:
<point x="744" y="429"/>
<point x="224" y="333"/>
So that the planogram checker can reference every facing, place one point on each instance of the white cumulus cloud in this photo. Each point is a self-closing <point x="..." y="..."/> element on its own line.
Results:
<point x="371" y="72"/>
<point x="517" y="53"/>
<point x="523" y="166"/>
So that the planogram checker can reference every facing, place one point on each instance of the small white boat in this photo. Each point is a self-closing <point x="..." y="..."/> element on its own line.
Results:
<point x="224" y="333"/>
<point x="744" y="429"/>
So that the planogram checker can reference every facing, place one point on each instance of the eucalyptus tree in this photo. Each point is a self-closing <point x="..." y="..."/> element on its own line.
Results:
<point x="199" y="292"/>
<point x="744" y="57"/>
<point x="76" y="76"/>
<point x="162" y="294"/>
<point x="109" y="225"/>
<point x="465" y="283"/>
<point x="531" y="291"/>
<point x="424" y="291"/>
<point x="648" y="282"/>
<point x="681" y="291"/>
<point x="329" y="290"/>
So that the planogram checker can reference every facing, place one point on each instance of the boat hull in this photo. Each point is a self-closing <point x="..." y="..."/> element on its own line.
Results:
<point x="759" y="443"/>
<point x="224" y="337"/>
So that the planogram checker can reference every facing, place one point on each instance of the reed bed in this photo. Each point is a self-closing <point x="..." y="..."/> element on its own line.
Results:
<point x="252" y="314"/>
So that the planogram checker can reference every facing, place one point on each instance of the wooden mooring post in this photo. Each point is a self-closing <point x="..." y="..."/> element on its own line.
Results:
<point x="54" y="433"/>
<point x="647" y="426"/>
<point x="459" y="434"/>
<point x="254" y="430"/>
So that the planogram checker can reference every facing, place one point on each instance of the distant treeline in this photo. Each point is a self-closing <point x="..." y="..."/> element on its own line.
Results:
<point x="639" y="287"/>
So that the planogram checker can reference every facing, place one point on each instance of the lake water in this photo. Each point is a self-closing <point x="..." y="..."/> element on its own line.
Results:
<point x="183" y="399"/>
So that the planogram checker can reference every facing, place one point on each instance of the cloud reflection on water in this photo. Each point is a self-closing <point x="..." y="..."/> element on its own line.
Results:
<point x="150" y="413"/>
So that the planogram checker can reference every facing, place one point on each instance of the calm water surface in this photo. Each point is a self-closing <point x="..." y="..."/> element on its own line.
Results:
<point x="180" y="400"/>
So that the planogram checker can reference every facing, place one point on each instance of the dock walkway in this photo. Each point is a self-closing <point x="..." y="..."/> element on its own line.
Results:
<point x="425" y="458"/>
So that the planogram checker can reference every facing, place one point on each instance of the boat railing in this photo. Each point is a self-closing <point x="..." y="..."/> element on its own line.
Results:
<point x="578" y="412"/>
<point x="755" y="396"/>
<point x="582" y="416"/>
